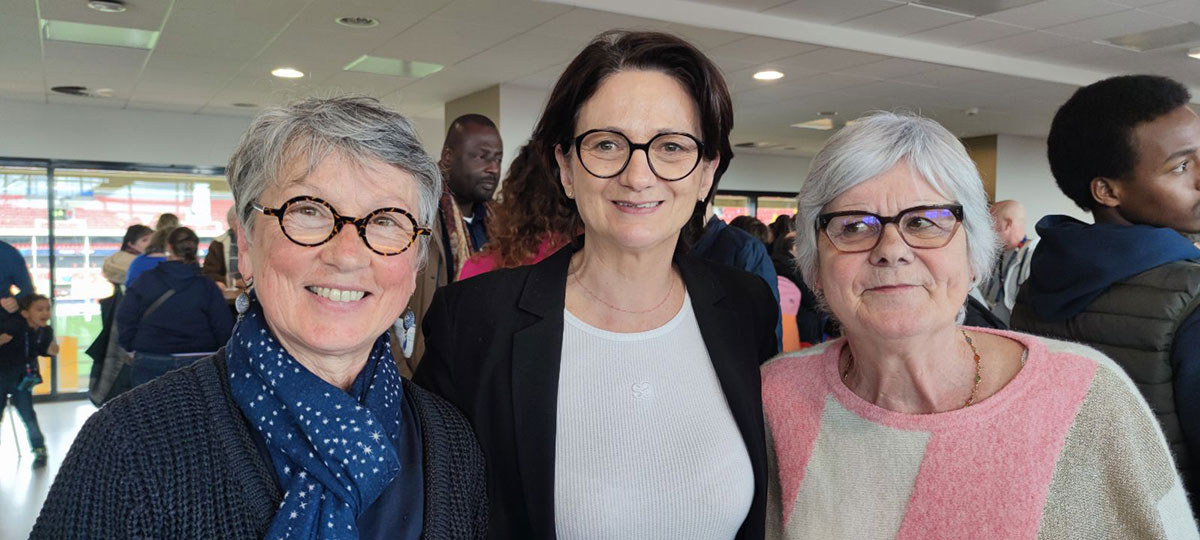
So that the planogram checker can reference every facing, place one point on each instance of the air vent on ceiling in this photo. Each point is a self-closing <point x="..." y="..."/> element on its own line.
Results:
<point x="107" y="6"/>
<point x="82" y="91"/>
<point x="358" y="22"/>
<point x="756" y="144"/>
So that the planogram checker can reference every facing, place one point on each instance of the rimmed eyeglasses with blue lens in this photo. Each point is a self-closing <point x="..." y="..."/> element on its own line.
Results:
<point x="605" y="154"/>
<point x="309" y="221"/>
<point x="922" y="227"/>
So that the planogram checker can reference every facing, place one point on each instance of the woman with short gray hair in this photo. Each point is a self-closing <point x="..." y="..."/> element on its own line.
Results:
<point x="911" y="426"/>
<point x="301" y="426"/>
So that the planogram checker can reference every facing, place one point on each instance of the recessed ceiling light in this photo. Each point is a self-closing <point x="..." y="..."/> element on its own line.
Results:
<point x="287" y="73"/>
<point x="768" y="75"/>
<point x="358" y="22"/>
<point x="107" y="6"/>
<point x="1194" y="53"/>
<point x="820" y="124"/>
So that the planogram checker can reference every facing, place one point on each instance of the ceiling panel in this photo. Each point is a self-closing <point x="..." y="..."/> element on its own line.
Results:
<point x="1084" y="52"/>
<point x="371" y="84"/>
<point x="760" y="49"/>
<point x="545" y="78"/>
<point x="703" y="38"/>
<point x="749" y="5"/>
<point x="1113" y="24"/>
<point x="1188" y="10"/>
<point x="581" y="25"/>
<point x="1028" y="42"/>
<point x="64" y="60"/>
<point x="904" y="20"/>
<point x="444" y="42"/>
<point x="1055" y="12"/>
<point x="830" y="11"/>
<point x="969" y="32"/>
<point x="515" y="13"/>
<point x="946" y="76"/>
<point x="892" y="68"/>
<point x="829" y="59"/>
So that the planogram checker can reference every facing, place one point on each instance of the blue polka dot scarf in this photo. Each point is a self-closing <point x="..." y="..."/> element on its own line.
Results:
<point x="332" y="450"/>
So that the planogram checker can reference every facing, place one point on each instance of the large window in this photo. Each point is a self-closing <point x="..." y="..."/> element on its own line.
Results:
<point x="764" y="206"/>
<point x="67" y="217"/>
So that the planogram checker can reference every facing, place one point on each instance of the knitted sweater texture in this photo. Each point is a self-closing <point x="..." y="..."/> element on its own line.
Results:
<point x="1068" y="449"/>
<point x="175" y="459"/>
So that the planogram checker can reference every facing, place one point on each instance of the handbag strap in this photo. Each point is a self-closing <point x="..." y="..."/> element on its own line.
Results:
<point x="157" y="303"/>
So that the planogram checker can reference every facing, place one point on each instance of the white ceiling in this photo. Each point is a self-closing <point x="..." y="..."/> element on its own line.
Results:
<point x="1015" y="66"/>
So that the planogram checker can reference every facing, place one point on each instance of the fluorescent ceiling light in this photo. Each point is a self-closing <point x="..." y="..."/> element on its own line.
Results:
<point x="287" y="73"/>
<point x="1195" y="53"/>
<point x="768" y="75"/>
<point x="973" y="8"/>
<point x="393" y="67"/>
<point x="1157" y="38"/>
<point x="95" y="34"/>
<point x="822" y="124"/>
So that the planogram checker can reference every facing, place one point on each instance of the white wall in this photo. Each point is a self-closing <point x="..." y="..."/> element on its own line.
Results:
<point x="520" y="108"/>
<point x="38" y="130"/>
<point x="759" y="172"/>
<point x="1023" y="174"/>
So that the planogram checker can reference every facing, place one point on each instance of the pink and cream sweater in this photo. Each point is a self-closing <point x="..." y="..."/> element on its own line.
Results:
<point x="1068" y="449"/>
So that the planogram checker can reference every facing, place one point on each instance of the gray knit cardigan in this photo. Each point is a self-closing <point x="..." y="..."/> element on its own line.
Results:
<point x="175" y="459"/>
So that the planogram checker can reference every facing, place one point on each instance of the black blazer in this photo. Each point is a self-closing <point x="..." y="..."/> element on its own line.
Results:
<point x="493" y="347"/>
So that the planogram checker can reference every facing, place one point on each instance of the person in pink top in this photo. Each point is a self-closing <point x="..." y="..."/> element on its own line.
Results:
<point x="532" y="219"/>
<point x="913" y="427"/>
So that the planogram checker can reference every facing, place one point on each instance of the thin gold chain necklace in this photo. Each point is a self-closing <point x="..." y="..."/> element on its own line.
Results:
<point x="978" y="366"/>
<point x="597" y="298"/>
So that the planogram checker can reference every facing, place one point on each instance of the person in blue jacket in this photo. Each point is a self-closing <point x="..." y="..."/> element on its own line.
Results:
<point x="1127" y="149"/>
<point x="172" y="313"/>
<point x="737" y="248"/>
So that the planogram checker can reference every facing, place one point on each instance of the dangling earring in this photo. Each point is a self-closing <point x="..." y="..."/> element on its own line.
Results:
<point x="242" y="304"/>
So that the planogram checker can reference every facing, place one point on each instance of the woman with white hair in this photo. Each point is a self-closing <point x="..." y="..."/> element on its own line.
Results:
<point x="301" y="426"/>
<point x="911" y="426"/>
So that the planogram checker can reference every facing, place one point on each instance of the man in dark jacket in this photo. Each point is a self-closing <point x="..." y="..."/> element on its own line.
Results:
<point x="1127" y="149"/>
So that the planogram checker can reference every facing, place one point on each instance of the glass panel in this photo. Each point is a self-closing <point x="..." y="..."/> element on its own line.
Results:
<point x="770" y="208"/>
<point x="24" y="223"/>
<point x="92" y="209"/>
<point x="727" y="207"/>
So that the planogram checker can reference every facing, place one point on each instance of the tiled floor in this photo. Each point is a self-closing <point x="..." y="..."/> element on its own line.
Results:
<point x="22" y="488"/>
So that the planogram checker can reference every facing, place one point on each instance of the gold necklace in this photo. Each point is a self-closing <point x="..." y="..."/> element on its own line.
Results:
<point x="978" y="367"/>
<point x="595" y="297"/>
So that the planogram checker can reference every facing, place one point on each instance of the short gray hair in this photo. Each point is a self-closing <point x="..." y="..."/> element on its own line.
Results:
<point x="870" y="147"/>
<point x="358" y="128"/>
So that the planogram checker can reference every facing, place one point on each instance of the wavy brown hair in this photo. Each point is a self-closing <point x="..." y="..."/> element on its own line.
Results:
<point x="531" y="208"/>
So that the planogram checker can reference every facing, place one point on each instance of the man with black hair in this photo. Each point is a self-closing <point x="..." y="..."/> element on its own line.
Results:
<point x="1126" y="149"/>
<point x="470" y="165"/>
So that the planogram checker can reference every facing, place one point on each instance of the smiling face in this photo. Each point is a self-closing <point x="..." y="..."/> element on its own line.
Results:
<point x="38" y="313"/>
<point x="893" y="290"/>
<point x="334" y="299"/>
<point x="636" y="210"/>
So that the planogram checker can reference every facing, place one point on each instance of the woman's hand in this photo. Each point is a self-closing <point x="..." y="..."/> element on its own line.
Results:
<point x="52" y="350"/>
<point x="5" y="338"/>
<point x="10" y="305"/>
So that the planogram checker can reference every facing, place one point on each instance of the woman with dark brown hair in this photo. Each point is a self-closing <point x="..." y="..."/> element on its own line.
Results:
<point x="533" y="218"/>
<point x="614" y="386"/>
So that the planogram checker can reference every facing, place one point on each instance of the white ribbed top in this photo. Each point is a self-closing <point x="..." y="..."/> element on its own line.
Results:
<point x="646" y="444"/>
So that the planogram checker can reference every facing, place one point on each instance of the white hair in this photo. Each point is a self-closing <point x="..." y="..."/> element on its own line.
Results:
<point x="873" y="145"/>
<point x="359" y="128"/>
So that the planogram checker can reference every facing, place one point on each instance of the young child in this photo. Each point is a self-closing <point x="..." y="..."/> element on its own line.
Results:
<point x="26" y="335"/>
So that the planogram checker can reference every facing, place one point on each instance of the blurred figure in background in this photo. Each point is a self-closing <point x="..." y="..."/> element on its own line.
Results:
<point x="172" y="313"/>
<point x="735" y="247"/>
<point x="756" y="228"/>
<point x="137" y="237"/>
<point x="220" y="263"/>
<point x="532" y="218"/>
<point x="1012" y="267"/>
<point x="166" y="221"/>
<point x="782" y="225"/>
<point x="155" y="254"/>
